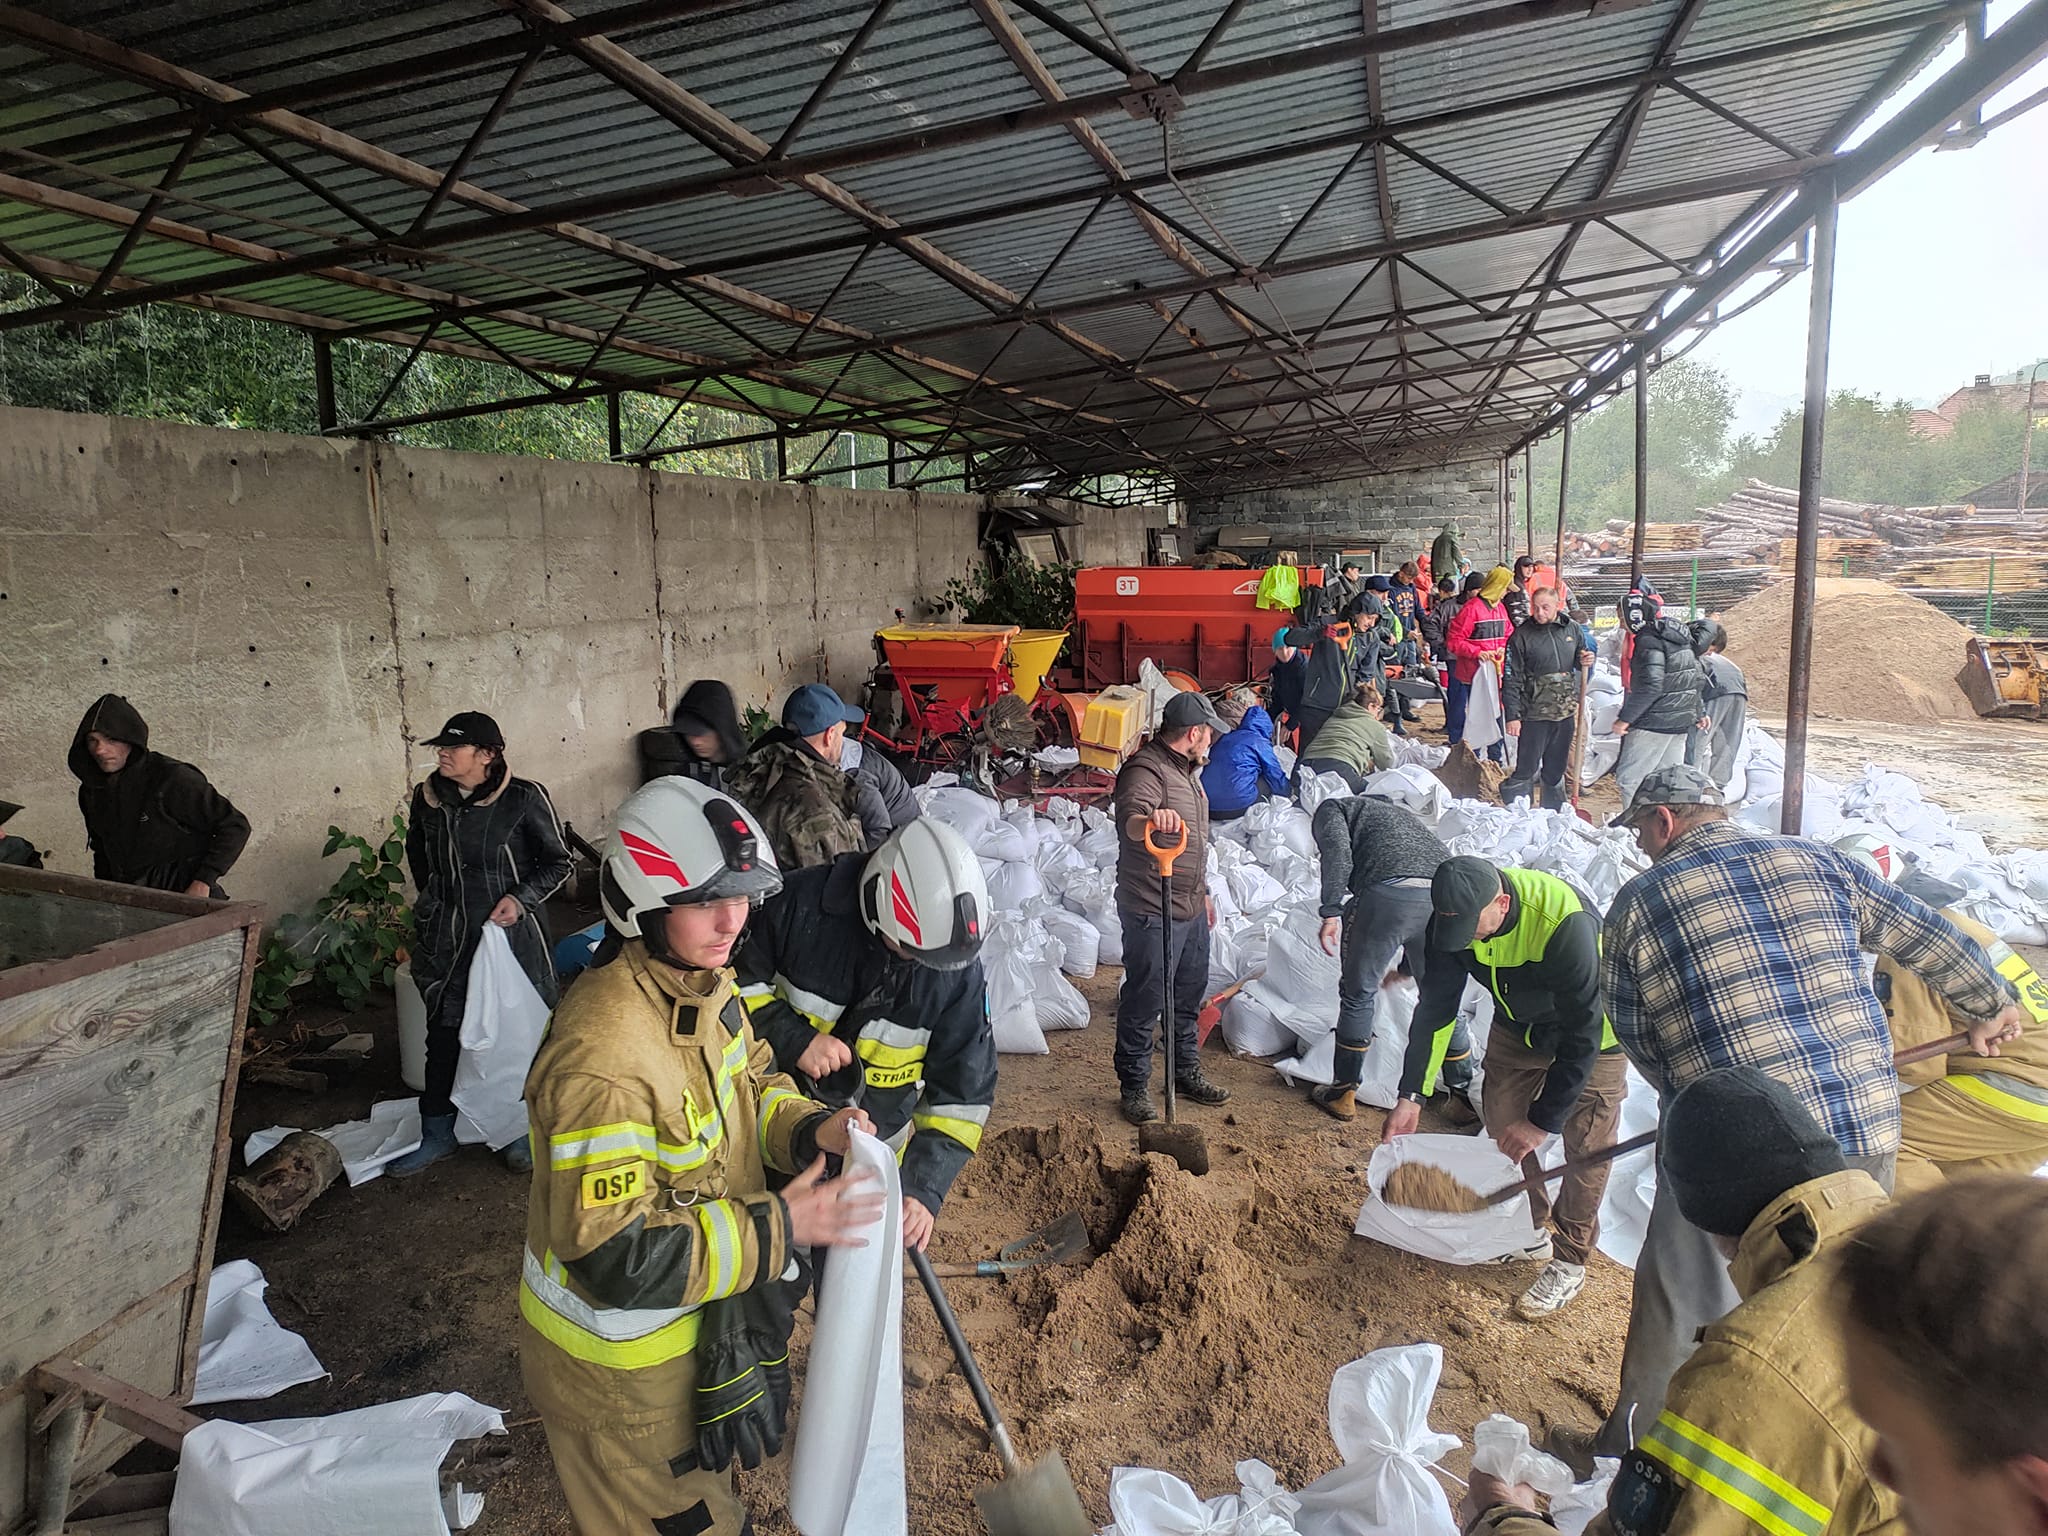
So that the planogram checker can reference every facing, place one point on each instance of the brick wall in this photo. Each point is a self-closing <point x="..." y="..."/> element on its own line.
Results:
<point x="1398" y="513"/>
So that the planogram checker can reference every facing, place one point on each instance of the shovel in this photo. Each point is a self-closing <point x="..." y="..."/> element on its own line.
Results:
<point x="1185" y="1144"/>
<point x="1056" y="1243"/>
<point x="1034" y="1500"/>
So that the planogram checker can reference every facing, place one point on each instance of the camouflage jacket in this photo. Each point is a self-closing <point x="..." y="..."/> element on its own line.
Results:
<point x="808" y="808"/>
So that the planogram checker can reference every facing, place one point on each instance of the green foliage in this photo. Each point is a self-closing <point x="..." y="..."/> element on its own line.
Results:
<point x="355" y="936"/>
<point x="1872" y="452"/>
<point x="756" y="722"/>
<point x="1692" y="406"/>
<point x="1008" y="589"/>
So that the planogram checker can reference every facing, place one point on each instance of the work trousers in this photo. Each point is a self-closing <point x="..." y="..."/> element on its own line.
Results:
<point x="1543" y="754"/>
<point x="621" y="1481"/>
<point x="1514" y="1077"/>
<point x="1389" y="920"/>
<point x="1642" y="754"/>
<point x="1949" y="1135"/>
<point x="1456" y="696"/>
<point x="1682" y="1285"/>
<point x="1147" y="974"/>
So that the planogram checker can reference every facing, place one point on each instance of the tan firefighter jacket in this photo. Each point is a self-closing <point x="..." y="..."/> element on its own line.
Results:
<point x="1757" y="1437"/>
<point x="655" y="1114"/>
<point x="2014" y="1081"/>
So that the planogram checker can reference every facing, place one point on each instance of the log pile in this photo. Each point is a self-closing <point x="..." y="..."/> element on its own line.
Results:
<point x="1837" y="556"/>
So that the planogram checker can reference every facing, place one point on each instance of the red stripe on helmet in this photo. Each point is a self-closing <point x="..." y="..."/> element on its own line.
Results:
<point x="899" y="902"/>
<point x="654" y="861"/>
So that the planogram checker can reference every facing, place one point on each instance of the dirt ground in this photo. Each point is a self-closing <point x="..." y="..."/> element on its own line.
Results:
<point x="1202" y="1328"/>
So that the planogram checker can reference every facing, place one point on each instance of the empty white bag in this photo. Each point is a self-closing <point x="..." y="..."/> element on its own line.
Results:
<point x="1379" y="1417"/>
<point x="503" y="1018"/>
<point x="375" y="1469"/>
<point x="244" y="1352"/>
<point x="846" y="1473"/>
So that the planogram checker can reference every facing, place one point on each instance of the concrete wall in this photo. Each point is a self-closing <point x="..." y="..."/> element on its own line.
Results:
<point x="294" y="615"/>
<point x="1398" y="513"/>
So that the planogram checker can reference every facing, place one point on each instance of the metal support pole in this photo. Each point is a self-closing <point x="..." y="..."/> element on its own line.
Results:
<point x="2027" y="442"/>
<point x="1635" y="559"/>
<point x="1528" y="501"/>
<point x="1564" y="482"/>
<point x="1819" y="315"/>
<point x="1990" y="588"/>
<point x="323" y="384"/>
<point x="612" y="424"/>
<point x="781" y="457"/>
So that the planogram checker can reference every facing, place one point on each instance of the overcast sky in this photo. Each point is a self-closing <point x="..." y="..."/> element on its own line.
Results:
<point x="1941" y="274"/>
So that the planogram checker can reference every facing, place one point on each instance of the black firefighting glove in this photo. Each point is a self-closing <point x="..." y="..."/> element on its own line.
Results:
<point x="743" y="1375"/>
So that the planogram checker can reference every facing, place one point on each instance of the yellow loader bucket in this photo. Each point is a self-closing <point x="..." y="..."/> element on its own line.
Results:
<point x="1032" y="652"/>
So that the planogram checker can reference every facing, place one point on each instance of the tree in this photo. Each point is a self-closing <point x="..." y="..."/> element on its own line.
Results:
<point x="1871" y="451"/>
<point x="1691" y="407"/>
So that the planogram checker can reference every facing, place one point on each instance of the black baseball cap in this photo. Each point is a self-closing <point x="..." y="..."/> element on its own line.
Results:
<point x="1459" y="891"/>
<point x="471" y="728"/>
<point x="1190" y="708"/>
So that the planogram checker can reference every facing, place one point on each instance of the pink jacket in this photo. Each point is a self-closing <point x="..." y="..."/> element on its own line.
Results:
<point x="1480" y="630"/>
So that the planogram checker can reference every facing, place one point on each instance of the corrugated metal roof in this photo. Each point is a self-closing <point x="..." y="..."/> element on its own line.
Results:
<point x="1316" y="264"/>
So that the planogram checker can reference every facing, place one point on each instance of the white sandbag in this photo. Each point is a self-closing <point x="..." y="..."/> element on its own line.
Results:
<point x="1058" y="1002"/>
<point x="1058" y="862"/>
<point x="1411" y="786"/>
<point x="1484" y="723"/>
<point x="1145" y="1502"/>
<point x="846" y="1473"/>
<point x="1013" y="884"/>
<point x="1315" y="1064"/>
<point x="1632" y="1180"/>
<point x="1098" y="846"/>
<point x="1501" y="1447"/>
<point x="1219" y="893"/>
<point x="971" y="815"/>
<point x="1412" y="750"/>
<point x="1599" y="758"/>
<point x="1300" y="984"/>
<point x="1079" y="940"/>
<point x="1450" y="1237"/>
<point x="1573" y="1510"/>
<point x="1392" y="1012"/>
<point x="244" y="1352"/>
<point x="1109" y="929"/>
<point x="373" y="1469"/>
<point x="503" y="1018"/>
<point x="1318" y="787"/>
<point x="1250" y="1029"/>
<point x="1013" y="1016"/>
<point x="1025" y="822"/>
<point x="1252" y="889"/>
<point x="1379" y="1418"/>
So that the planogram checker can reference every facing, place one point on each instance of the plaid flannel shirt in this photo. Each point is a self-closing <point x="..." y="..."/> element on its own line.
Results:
<point x="1741" y="948"/>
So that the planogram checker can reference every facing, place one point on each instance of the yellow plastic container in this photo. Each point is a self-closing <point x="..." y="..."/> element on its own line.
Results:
<point x="1032" y="652"/>
<point x="1111" y="726"/>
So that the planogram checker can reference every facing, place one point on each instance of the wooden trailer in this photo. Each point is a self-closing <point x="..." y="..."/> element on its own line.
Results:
<point x="120" y="1033"/>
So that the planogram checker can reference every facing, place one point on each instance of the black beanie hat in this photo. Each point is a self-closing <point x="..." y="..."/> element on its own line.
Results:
<point x="1735" y="1140"/>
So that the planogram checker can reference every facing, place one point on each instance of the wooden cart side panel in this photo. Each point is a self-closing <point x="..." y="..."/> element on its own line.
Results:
<point x="217" y="1175"/>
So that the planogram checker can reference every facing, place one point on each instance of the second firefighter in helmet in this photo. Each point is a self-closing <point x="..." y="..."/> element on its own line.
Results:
<point x="865" y="976"/>
<point x="655" y="1324"/>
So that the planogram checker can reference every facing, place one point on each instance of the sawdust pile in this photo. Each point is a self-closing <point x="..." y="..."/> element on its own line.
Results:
<point x="1423" y="1188"/>
<point x="1878" y="654"/>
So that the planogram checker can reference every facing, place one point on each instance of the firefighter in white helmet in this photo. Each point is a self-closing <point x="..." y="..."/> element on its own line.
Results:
<point x="655" y="1318"/>
<point x="1962" y="1113"/>
<point x="865" y="976"/>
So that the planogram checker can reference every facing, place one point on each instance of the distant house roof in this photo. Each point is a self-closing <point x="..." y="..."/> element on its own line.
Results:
<point x="1941" y="421"/>
<point x="2004" y="494"/>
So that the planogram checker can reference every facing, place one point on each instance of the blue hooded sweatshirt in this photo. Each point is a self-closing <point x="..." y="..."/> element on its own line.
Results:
<point x="1239" y="761"/>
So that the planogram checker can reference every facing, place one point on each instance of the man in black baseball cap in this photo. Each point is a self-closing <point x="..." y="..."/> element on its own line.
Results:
<point x="471" y="728"/>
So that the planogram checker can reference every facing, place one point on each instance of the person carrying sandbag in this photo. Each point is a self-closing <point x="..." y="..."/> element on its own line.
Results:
<point x="865" y="977"/>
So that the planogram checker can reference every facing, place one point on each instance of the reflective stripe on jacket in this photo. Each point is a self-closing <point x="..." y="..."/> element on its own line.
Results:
<point x="2015" y="1081"/>
<point x="921" y="1037"/>
<point x="655" y="1115"/>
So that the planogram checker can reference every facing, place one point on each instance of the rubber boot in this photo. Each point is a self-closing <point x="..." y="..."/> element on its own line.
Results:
<point x="1340" y="1099"/>
<point x="517" y="1155"/>
<point x="437" y="1140"/>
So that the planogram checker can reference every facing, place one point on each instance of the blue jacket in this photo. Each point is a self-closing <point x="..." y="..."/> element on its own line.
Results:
<point x="1239" y="762"/>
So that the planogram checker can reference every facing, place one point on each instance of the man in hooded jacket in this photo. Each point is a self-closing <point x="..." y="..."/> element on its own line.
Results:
<point x="151" y="820"/>
<point x="1662" y="706"/>
<point x="701" y="742"/>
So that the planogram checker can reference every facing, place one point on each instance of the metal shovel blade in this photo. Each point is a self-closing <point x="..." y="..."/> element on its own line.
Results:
<point x="1056" y="1243"/>
<point x="1185" y="1144"/>
<point x="1035" y="1500"/>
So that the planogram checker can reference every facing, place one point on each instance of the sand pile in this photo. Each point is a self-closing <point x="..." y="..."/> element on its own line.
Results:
<point x="1878" y="654"/>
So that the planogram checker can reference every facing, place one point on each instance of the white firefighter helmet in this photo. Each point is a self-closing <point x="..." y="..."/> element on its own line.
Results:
<point x="676" y="842"/>
<point x="1873" y="851"/>
<point x="923" y="891"/>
